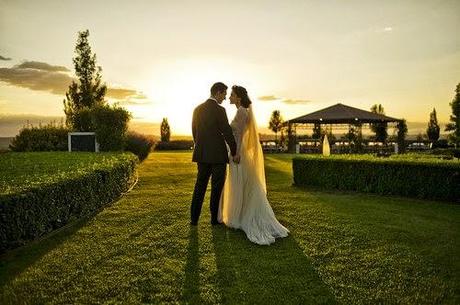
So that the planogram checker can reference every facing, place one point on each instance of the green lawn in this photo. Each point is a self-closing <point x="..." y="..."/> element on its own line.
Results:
<point x="344" y="248"/>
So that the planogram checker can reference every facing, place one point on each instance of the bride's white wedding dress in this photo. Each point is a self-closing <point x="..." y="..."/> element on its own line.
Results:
<point x="243" y="203"/>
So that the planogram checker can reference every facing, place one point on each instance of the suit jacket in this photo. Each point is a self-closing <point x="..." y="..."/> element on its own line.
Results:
<point x="210" y="131"/>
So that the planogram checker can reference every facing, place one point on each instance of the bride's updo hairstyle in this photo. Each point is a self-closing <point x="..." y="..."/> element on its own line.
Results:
<point x="243" y="95"/>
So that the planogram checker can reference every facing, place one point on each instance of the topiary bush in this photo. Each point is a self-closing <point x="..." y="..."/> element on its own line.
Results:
<point x="139" y="144"/>
<point x="434" y="179"/>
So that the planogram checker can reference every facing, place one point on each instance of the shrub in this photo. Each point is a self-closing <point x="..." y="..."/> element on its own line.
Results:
<point x="111" y="125"/>
<point x="83" y="120"/>
<point x="109" y="122"/>
<point x="139" y="144"/>
<point x="440" y="144"/>
<point x="456" y="154"/>
<point x="37" y="210"/>
<point x="422" y="179"/>
<point x="50" y="137"/>
<point x="175" y="145"/>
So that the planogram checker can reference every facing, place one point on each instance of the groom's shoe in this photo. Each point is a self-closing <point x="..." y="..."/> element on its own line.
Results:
<point x="215" y="223"/>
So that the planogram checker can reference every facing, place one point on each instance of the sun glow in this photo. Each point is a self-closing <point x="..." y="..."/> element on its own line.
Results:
<point x="176" y="89"/>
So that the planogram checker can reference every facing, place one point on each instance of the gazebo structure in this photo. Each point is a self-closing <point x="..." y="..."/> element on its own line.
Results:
<point x="337" y="117"/>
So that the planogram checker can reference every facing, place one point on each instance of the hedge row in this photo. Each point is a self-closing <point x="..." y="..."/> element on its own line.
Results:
<point x="428" y="180"/>
<point x="27" y="215"/>
<point x="174" y="145"/>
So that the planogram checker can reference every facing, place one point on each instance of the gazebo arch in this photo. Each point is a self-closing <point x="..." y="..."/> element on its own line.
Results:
<point x="338" y="115"/>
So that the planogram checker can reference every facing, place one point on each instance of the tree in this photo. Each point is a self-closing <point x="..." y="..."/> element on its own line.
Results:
<point x="454" y="124"/>
<point x="433" y="128"/>
<point x="380" y="129"/>
<point x="283" y="139"/>
<point x="88" y="91"/>
<point x="276" y="123"/>
<point x="330" y="136"/>
<point x="355" y="137"/>
<point x="419" y="137"/>
<point x="165" y="130"/>
<point x="402" y="131"/>
<point x="291" y="138"/>
<point x="316" y="131"/>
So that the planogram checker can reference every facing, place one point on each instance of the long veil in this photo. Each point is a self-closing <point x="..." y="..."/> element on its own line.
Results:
<point x="252" y="152"/>
<point x="243" y="178"/>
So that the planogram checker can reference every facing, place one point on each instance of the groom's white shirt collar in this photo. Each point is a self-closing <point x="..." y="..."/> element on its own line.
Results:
<point x="212" y="98"/>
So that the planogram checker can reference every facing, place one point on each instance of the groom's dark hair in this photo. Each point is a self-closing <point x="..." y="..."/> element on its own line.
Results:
<point x="218" y="87"/>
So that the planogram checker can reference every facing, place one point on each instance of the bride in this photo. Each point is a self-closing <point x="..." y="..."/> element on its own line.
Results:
<point x="243" y="203"/>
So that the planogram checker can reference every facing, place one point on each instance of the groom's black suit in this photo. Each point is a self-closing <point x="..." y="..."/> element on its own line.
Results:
<point x="210" y="130"/>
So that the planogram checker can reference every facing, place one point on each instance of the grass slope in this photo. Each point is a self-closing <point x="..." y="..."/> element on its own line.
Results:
<point x="344" y="248"/>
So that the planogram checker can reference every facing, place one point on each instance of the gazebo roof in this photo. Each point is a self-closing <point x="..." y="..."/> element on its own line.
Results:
<point x="342" y="114"/>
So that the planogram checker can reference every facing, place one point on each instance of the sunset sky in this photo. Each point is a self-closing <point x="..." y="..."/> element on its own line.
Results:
<point x="160" y="57"/>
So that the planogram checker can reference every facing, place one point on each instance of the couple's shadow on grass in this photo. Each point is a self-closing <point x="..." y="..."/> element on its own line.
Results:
<point x="252" y="274"/>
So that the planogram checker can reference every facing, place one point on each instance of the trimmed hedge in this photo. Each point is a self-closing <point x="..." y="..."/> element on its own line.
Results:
<point x="420" y="179"/>
<point x="35" y="211"/>
<point x="175" y="145"/>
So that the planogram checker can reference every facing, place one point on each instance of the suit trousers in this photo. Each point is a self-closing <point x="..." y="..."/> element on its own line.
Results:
<point x="217" y="174"/>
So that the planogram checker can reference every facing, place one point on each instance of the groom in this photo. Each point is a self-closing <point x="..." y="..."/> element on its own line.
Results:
<point x="210" y="131"/>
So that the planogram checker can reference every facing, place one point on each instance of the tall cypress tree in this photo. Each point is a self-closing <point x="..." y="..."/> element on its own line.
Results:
<point x="433" y="128"/>
<point x="165" y="130"/>
<point x="454" y="124"/>
<point x="88" y="91"/>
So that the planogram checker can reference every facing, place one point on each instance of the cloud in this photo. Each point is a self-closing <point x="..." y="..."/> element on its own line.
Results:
<point x="268" y="98"/>
<point x="134" y="102"/>
<point x="42" y="76"/>
<point x="121" y="93"/>
<point x="295" y="102"/>
<point x="4" y="58"/>
<point x="41" y="66"/>
<point x="37" y="76"/>
<point x="387" y="29"/>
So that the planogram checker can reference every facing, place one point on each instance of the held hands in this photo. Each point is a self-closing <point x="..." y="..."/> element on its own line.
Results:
<point x="236" y="159"/>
